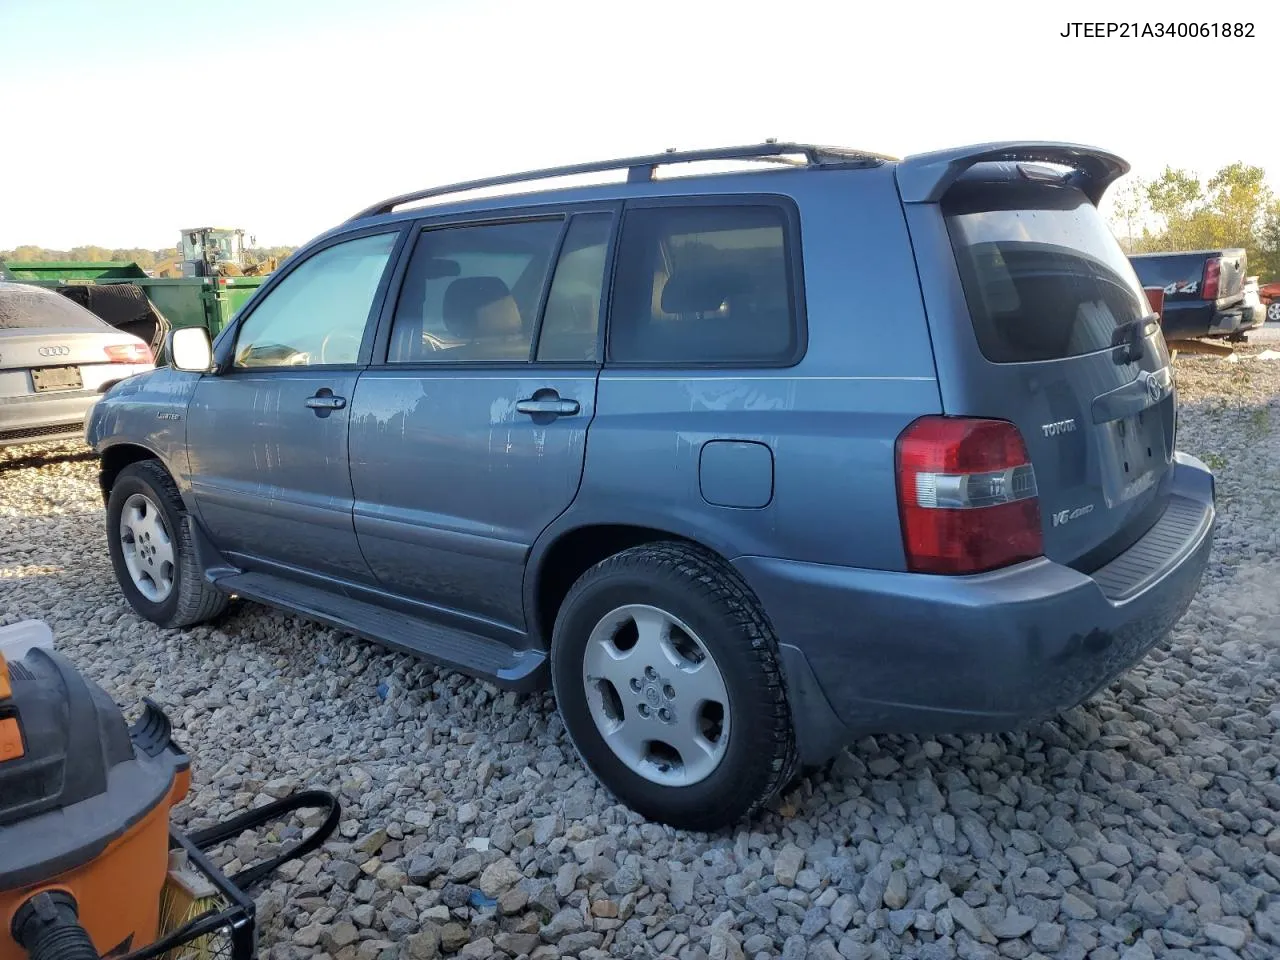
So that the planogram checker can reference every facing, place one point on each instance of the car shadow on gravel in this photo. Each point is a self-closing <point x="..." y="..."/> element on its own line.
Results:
<point x="45" y="458"/>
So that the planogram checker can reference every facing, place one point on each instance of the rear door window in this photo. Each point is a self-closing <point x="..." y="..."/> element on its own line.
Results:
<point x="704" y="285"/>
<point x="1042" y="274"/>
<point x="571" y="319"/>
<point x="471" y="293"/>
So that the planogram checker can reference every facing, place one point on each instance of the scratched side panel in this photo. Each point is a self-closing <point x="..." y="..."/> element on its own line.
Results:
<point x="452" y="485"/>
<point x="834" y="496"/>
<point x="270" y="474"/>
<point x="148" y="410"/>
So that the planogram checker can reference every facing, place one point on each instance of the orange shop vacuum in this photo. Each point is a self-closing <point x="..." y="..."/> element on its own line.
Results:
<point x="90" y="866"/>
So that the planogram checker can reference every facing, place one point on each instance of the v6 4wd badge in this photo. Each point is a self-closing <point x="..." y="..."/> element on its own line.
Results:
<point x="1066" y="516"/>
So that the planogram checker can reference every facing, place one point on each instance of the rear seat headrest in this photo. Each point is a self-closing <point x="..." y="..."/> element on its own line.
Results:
<point x="698" y="291"/>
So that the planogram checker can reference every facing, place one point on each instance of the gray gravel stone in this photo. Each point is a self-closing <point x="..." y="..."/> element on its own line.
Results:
<point x="842" y="911"/>
<point x="895" y="891"/>
<point x="1048" y="936"/>
<point x="787" y="866"/>
<point x="1229" y="937"/>
<point x="964" y="915"/>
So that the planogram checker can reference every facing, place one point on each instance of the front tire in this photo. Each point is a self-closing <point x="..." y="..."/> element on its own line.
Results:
<point x="1273" y="311"/>
<point x="667" y="676"/>
<point x="151" y="550"/>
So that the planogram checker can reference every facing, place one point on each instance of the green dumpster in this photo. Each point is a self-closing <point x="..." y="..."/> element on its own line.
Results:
<point x="123" y="295"/>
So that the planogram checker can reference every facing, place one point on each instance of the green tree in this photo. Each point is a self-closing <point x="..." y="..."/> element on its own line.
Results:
<point x="1268" y="264"/>
<point x="1174" y="197"/>
<point x="1128" y="205"/>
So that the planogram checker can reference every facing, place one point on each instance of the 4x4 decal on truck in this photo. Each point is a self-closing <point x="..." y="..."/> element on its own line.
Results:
<point x="1173" y="288"/>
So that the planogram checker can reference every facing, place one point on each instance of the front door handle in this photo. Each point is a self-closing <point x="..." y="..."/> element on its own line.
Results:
<point x="325" y="400"/>
<point x="554" y="407"/>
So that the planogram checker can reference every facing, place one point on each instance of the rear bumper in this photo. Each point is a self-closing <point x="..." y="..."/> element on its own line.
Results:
<point x="30" y="419"/>
<point x="1228" y="322"/>
<point x="871" y="651"/>
<point x="1193" y="320"/>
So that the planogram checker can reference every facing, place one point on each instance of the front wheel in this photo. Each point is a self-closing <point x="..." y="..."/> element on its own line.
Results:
<point x="1273" y="311"/>
<point x="667" y="676"/>
<point x="151" y="550"/>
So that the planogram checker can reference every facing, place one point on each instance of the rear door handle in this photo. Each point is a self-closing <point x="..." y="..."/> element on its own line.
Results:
<point x="325" y="400"/>
<point x="550" y="407"/>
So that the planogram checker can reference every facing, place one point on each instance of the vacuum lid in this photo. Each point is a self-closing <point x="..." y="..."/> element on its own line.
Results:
<point x="60" y="736"/>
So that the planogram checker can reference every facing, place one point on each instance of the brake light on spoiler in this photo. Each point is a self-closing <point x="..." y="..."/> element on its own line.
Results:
<point x="967" y="496"/>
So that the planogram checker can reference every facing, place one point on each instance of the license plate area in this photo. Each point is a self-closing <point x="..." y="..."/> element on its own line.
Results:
<point x="1136" y="454"/>
<point x="46" y="379"/>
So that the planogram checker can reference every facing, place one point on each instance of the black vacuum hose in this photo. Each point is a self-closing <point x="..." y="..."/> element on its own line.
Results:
<point x="48" y="927"/>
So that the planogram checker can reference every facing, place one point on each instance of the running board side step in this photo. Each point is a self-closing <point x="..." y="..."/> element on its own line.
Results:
<point x="518" y="670"/>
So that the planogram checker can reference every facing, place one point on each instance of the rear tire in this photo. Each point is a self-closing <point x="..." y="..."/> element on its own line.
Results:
<point x="151" y="550"/>
<point x="714" y="642"/>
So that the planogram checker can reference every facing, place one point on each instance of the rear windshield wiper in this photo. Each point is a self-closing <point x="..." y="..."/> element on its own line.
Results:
<point x="1130" y="334"/>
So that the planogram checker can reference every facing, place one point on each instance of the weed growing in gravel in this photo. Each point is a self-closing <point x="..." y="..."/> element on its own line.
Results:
<point x="1215" y="462"/>
<point x="1259" y="423"/>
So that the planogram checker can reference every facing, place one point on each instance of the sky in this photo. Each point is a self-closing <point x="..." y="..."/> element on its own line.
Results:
<point x="122" y="122"/>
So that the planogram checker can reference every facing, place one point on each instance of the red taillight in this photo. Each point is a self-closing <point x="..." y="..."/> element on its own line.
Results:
<point x="966" y="495"/>
<point x="1155" y="297"/>
<point x="1212" y="274"/>
<point x="129" y="353"/>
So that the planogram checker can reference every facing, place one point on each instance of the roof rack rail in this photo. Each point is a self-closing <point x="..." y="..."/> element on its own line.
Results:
<point x="640" y="169"/>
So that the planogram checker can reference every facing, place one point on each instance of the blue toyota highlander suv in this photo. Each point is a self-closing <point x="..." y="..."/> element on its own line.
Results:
<point x="744" y="464"/>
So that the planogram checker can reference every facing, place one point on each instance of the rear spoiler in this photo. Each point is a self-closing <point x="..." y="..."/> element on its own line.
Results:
<point x="926" y="177"/>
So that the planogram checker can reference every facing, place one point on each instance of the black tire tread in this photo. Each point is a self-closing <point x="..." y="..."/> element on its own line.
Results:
<point x="719" y="583"/>
<point x="198" y="600"/>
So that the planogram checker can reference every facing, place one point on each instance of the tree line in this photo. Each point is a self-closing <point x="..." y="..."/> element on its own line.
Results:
<point x="1178" y="211"/>
<point x="147" y="259"/>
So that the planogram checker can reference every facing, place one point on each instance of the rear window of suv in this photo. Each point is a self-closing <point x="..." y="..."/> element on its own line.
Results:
<point x="1043" y="276"/>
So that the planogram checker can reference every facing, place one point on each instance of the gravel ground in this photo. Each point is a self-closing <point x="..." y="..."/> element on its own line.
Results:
<point x="1146" y="822"/>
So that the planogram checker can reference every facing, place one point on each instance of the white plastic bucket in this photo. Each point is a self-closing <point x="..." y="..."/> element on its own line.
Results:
<point x="17" y="639"/>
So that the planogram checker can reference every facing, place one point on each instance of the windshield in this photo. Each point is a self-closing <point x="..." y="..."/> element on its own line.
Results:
<point x="1043" y="276"/>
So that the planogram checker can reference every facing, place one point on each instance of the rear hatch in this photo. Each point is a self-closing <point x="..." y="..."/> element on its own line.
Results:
<point x="1067" y="349"/>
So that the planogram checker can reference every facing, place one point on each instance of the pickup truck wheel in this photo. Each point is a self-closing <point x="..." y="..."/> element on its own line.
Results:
<point x="667" y="677"/>
<point x="1273" y="311"/>
<point x="151" y="550"/>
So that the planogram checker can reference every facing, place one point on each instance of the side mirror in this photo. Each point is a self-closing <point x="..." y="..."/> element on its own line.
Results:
<point x="190" y="350"/>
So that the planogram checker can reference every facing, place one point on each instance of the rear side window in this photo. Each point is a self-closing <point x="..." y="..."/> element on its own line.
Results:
<point x="1043" y="276"/>
<point x="471" y="293"/>
<point x="703" y="284"/>
<point x="25" y="308"/>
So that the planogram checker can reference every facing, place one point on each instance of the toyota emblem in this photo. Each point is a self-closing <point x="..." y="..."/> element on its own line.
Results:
<point x="58" y="351"/>
<point x="1155" y="390"/>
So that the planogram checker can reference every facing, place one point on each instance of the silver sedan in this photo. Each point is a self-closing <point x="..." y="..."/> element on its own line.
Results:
<point x="56" y="360"/>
